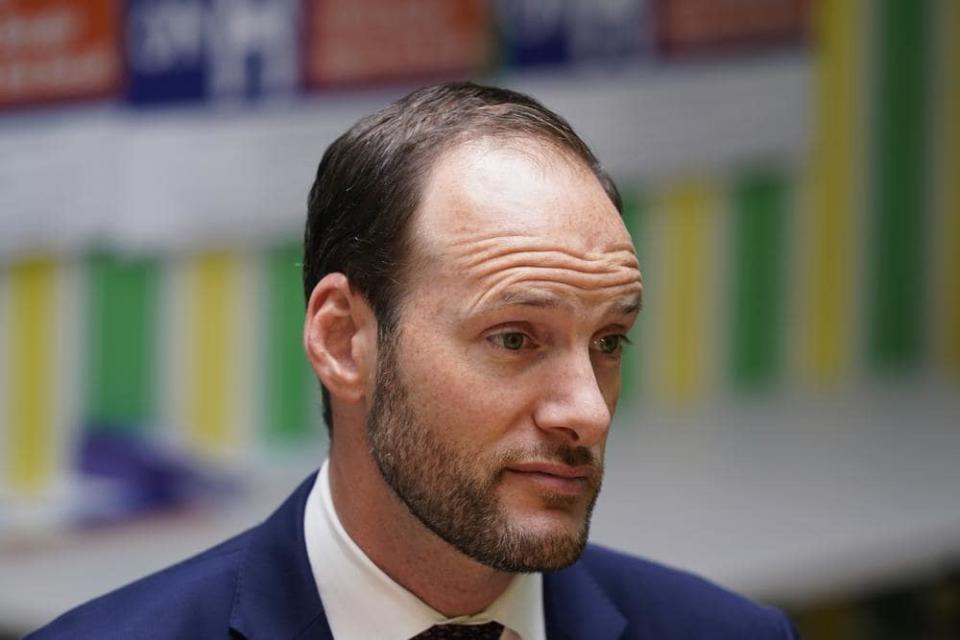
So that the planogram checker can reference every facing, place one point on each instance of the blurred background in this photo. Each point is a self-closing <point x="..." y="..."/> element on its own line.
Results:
<point x="791" y="175"/>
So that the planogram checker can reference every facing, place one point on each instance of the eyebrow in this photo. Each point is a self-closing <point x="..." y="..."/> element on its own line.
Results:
<point x="631" y="307"/>
<point x="546" y="300"/>
<point x="538" y="299"/>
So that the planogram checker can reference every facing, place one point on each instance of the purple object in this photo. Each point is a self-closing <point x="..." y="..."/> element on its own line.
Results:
<point x="140" y="476"/>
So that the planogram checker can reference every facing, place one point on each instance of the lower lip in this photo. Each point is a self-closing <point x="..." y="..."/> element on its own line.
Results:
<point x="555" y="484"/>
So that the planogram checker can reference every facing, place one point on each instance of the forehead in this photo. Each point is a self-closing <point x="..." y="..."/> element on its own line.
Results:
<point x="519" y="219"/>
<point x="515" y="190"/>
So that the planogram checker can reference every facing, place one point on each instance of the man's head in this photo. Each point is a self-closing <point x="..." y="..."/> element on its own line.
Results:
<point x="486" y="242"/>
<point x="370" y="181"/>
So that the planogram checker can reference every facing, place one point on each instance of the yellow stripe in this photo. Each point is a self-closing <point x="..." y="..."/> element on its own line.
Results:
<point x="211" y="290"/>
<point x="685" y="213"/>
<point x="951" y="187"/>
<point x="838" y="28"/>
<point x="30" y="376"/>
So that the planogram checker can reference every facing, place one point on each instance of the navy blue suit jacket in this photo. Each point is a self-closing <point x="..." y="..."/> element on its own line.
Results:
<point x="259" y="586"/>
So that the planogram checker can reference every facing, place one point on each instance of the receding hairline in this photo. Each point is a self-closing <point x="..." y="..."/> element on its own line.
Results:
<point x="540" y="149"/>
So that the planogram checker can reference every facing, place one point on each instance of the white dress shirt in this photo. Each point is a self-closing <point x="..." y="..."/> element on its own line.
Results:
<point x="362" y="602"/>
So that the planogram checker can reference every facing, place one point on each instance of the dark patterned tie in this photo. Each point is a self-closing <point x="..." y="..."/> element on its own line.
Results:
<point x="488" y="631"/>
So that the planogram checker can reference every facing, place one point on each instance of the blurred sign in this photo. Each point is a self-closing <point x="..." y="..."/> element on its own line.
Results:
<point x="369" y="40"/>
<point x="543" y="32"/>
<point x="183" y="50"/>
<point x="58" y="49"/>
<point x="608" y="30"/>
<point x="533" y="31"/>
<point x="686" y="26"/>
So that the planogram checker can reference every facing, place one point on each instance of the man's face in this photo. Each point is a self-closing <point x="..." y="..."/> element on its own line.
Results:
<point x="495" y="393"/>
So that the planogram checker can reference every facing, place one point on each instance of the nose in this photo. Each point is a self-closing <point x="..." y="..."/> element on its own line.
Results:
<point x="573" y="406"/>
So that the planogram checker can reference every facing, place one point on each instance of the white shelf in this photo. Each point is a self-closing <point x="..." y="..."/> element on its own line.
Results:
<point x="171" y="179"/>
<point x="794" y="499"/>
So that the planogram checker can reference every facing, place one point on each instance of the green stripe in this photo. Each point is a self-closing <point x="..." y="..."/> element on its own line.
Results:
<point x="290" y="380"/>
<point x="635" y="208"/>
<point x="760" y="202"/>
<point x="121" y="329"/>
<point x="898" y="201"/>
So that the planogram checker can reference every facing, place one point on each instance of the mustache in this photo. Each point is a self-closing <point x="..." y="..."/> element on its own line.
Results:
<point x="552" y="453"/>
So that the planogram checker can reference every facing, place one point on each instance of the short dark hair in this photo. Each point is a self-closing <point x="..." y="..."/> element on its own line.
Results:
<point x="370" y="180"/>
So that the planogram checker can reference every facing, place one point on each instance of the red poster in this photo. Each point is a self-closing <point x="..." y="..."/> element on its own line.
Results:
<point x="685" y="26"/>
<point x="350" y="41"/>
<point x="58" y="49"/>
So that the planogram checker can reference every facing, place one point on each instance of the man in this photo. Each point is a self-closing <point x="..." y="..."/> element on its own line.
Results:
<point x="470" y="284"/>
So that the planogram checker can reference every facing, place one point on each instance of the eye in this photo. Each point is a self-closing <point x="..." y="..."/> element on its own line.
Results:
<point x="612" y="344"/>
<point x="511" y="340"/>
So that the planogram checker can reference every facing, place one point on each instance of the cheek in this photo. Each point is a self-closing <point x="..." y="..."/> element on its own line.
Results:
<point x="609" y="382"/>
<point x="451" y="393"/>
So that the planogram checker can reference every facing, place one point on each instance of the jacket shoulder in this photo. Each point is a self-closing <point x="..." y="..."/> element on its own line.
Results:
<point x="190" y="599"/>
<point x="663" y="602"/>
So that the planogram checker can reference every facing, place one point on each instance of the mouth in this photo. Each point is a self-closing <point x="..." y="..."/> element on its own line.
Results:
<point x="557" y="478"/>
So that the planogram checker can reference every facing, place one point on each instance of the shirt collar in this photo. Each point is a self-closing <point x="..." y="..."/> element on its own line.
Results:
<point x="351" y="586"/>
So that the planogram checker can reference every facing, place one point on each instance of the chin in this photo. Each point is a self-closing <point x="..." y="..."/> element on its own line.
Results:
<point x="527" y="542"/>
<point x="531" y="550"/>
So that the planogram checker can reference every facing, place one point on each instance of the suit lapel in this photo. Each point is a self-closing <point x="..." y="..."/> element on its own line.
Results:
<point x="575" y="607"/>
<point x="276" y="593"/>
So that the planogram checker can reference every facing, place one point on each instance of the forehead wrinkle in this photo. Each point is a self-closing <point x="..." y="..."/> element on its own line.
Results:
<point x="542" y="299"/>
<point x="597" y="264"/>
<point x="477" y="250"/>
<point x="494" y="268"/>
<point x="613" y="285"/>
<point x="586" y="280"/>
<point x="487" y="255"/>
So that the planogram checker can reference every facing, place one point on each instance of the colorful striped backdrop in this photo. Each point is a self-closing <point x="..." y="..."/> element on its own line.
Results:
<point x="947" y="232"/>
<point x="838" y="269"/>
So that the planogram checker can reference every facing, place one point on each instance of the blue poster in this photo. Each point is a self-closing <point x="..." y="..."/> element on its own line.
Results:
<point x="562" y="32"/>
<point x="198" y="50"/>
<point x="609" y="31"/>
<point x="533" y="32"/>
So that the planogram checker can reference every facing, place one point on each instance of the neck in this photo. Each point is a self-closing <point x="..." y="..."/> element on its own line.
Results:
<point x="401" y="546"/>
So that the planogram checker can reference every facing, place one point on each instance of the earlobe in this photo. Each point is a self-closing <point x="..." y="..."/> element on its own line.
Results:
<point x="339" y="336"/>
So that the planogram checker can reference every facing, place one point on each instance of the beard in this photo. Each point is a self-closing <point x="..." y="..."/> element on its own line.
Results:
<point x="453" y="492"/>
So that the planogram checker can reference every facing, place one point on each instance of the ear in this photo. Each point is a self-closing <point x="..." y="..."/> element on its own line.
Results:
<point x="340" y="338"/>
